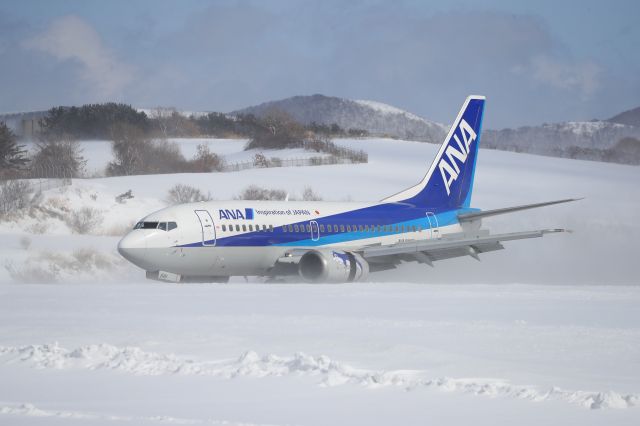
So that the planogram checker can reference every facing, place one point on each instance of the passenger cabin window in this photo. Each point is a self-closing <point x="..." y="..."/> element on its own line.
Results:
<point x="224" y="228"/>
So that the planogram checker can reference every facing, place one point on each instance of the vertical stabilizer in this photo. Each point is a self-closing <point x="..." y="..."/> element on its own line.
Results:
<point x="449" y="182"/>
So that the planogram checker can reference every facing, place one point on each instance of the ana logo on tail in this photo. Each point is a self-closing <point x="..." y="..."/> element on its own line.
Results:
<point x="449" y="169"/>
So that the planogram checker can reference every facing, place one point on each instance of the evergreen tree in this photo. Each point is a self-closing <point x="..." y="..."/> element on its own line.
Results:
<point x="12" y="156"/>
<point x="91" y="121"/>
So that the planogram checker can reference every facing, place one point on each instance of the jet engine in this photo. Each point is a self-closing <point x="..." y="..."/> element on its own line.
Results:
<point x="332" y="266"/>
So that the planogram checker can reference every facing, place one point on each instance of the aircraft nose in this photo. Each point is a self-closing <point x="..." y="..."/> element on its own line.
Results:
<point x="133" y="247"/>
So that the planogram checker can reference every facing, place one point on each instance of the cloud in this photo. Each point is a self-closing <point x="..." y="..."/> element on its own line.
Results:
<point x="228" y="55"/>
<point x="426" y="63"/>
<point x="72" y="39"/>
<point x="583" y="77"/>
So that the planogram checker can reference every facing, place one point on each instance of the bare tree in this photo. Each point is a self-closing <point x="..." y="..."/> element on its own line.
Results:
<point x="206" y="161"/>
<point x="58" y="158"/>
<point x="172" y="123"/>
<point x="15" y="197"/>
<point x="259" y="160"/>
<point x="309" y="195"/>
<point x="162" y="116"/>
<point x="278" y="130"/>
<point x="129" y="147"/>
<point x="254" y="192"/>
<point x="181" y="194"/>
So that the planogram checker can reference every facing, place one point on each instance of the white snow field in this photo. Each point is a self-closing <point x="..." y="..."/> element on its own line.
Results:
<point x="544" y="332"/>
<point x="281" y="354"/>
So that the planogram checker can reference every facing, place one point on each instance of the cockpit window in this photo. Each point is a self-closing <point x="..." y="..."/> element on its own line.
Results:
<point x="164" y="226"/>
<point x="146" y="225"/>
<point x="167" y="226"/>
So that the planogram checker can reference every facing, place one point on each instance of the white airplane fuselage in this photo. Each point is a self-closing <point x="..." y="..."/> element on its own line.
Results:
<point x="232" y="244"/>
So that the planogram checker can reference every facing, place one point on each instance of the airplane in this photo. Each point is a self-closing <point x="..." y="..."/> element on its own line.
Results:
<point x="329" y="242"/>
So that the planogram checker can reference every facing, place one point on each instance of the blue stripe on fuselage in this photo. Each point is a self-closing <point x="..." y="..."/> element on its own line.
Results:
<point x="444" y="219"/>
<point x="378" y="215"/>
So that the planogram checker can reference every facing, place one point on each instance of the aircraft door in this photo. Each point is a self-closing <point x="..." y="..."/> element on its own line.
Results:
<point x="207" y="226"/>
<point x="315" y="231"/>
<point x="434" y="231"/>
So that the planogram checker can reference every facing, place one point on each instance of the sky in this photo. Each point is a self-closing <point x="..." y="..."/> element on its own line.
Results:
<point x="536" y="61"/>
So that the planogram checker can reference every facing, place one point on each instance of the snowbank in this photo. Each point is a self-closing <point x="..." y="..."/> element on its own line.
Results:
<point x="329" y="372"/>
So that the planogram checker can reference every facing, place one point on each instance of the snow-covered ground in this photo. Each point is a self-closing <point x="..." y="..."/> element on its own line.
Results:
<point x="318" y="355"/>
<point x="544" y="332"/>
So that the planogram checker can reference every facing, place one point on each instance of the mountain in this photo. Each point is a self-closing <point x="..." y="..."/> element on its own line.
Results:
<point x="375" y="117"/>
<point x="598" y="140"/>
<point x="630" y="117"/>
<point x="555" y="137"/>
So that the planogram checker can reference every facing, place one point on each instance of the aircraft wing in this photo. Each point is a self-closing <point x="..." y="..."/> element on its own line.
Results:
<point x="455" y="245"/>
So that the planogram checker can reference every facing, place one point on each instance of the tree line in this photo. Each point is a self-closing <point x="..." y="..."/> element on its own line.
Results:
<point x="139" y="140"/>
<point x="98" y="121"/>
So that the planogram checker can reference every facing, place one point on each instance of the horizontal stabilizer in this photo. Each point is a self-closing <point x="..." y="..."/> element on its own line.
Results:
<point x="466" y="217"/>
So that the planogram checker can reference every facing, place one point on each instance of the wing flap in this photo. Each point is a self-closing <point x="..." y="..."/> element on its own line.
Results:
<point x="453" y="247"/>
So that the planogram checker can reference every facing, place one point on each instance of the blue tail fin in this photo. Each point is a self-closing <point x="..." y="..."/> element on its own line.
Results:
<point x="449" y="182"/>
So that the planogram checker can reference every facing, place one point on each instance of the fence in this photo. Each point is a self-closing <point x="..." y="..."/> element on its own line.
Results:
<point x="287" y="162"/>
<point x="46" y="175"/>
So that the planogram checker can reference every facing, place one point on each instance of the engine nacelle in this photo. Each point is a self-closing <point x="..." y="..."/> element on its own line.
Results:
<point x="332" y="266"/>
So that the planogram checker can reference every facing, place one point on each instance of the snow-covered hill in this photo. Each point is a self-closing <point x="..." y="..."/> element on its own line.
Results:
<point x="630" y="117"/>
<point x="592" y="140"/>
<point x="375" y="117"/>
<point x="557" y="139"/>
